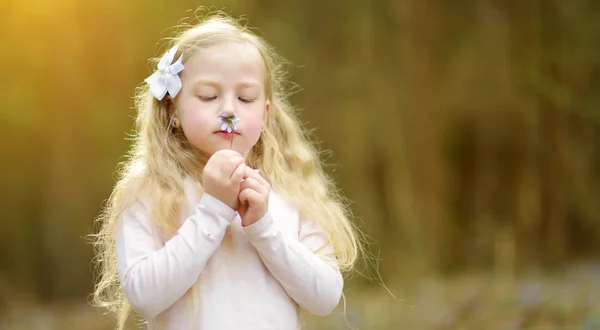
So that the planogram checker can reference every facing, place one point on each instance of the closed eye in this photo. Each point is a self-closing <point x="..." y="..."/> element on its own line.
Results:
<point x="245" y="100"/>
<point x="207" y="98"/>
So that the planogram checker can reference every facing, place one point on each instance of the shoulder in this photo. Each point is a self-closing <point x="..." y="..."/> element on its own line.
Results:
<point x="135" y="212"/>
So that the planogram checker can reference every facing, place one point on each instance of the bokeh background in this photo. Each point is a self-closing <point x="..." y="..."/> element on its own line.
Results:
<point x="466" y="133"/>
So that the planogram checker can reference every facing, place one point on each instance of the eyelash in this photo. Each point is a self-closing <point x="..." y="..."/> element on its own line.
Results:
<point x="208" y="99"/>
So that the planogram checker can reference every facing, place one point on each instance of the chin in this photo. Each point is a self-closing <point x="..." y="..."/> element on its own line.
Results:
<point x="239" y="146"/>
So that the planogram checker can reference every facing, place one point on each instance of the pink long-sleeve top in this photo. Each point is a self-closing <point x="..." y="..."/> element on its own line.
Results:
<point x="253" y="277"/>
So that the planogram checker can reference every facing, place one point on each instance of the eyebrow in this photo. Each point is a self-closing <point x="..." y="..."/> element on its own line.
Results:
<point x="215" y="84"/>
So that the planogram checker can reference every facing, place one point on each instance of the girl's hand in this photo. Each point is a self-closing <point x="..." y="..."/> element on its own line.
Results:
<point x="253" y="197"/>
<point x="222" y="176"/>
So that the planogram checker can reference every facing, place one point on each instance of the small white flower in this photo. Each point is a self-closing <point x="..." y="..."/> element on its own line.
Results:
<point x="166" y="79"/>
<point x="228" y="122"/>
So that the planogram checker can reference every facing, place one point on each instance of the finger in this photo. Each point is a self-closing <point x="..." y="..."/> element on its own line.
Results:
<point x="248" y="172"/>
<point x="230" y="165"/>
<point x="215" y="162"/>
<point x="262" y="180"/>
<point x="255" y="174"/>
<point x="247" y="183"/>
<point x="226" y="153"/>
<point x="255" y="185"/>
<point x="218" y="159"/>
<point x="249" y="196"/>
<point x="238" y="173"/>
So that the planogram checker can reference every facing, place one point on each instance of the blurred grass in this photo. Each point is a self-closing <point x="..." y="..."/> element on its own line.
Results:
<point x="570" y="300"/>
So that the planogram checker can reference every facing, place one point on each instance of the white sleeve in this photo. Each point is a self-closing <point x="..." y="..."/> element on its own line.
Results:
<point x="155" y="277"/>
<point x="312" y="280"/>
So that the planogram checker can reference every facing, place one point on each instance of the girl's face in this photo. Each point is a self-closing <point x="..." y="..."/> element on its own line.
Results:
<point x="225" y="79"/>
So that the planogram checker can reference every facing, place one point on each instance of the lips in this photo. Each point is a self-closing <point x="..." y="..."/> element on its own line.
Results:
<point x="226" y="136"/>
<point x="225" y="132"/>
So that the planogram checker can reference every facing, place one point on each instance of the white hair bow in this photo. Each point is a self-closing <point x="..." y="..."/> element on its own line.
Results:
<point x="166" y="79"/>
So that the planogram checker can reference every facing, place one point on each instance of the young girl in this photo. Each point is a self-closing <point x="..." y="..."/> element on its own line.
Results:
<point x="222" y="217"/>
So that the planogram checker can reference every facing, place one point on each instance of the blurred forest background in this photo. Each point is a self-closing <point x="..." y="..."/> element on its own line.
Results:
<point x="466" y="133"/>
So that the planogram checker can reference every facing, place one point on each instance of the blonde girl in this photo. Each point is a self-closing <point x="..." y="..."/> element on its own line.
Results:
<point x="222" y="217"/>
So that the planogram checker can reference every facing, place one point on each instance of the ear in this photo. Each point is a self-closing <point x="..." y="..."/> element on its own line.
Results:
<point x="267" y="109"/>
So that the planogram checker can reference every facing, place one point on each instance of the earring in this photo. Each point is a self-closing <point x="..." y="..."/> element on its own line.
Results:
<point x="175" y="123"/>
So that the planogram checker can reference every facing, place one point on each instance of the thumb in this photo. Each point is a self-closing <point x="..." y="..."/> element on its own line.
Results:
<point x="249" y="171"/>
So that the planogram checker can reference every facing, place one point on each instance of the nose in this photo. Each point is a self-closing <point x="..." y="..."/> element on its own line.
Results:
<point x="228" y="106"/>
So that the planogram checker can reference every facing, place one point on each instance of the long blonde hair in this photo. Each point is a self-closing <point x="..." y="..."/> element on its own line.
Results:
<point x="161" y="157"/>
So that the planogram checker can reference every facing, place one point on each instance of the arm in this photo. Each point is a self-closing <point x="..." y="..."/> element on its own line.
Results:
<point x="312" y="280"/>
<point x="153" y="279"/>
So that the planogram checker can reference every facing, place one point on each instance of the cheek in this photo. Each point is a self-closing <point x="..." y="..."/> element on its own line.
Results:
<point x="252" y="127"/>
<point x="196" y="123"/>
<point x="253" y="124"/>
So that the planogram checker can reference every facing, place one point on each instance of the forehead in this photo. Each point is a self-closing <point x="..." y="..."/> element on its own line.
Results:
<point x="229" y="62"/>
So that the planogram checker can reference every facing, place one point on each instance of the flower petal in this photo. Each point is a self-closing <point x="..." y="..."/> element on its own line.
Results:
<point x="224" y="126"/>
